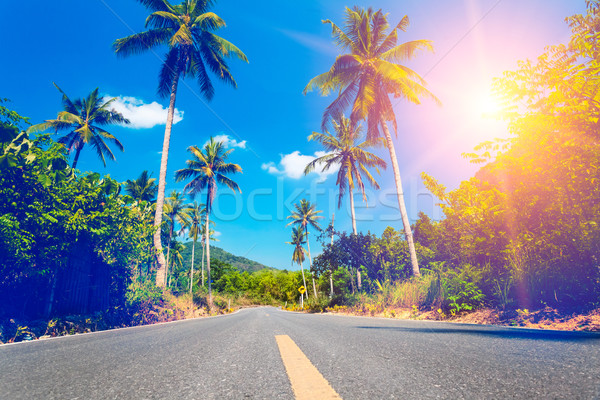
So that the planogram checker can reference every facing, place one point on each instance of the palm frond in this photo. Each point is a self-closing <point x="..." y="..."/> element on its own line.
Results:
<point x="168" y="72"/>
<point x="406" y="51"/>
<point x="209" y="21"/>
<point x="157" y="5"/>
<point x="141" y="42"/>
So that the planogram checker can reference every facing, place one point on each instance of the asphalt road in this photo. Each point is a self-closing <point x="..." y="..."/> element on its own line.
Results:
<point x="236" y="357"/>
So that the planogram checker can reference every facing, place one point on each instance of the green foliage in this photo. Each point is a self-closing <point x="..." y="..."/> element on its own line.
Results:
<point x="528" y="220"/>
<point x="143" y="292"/>
<point x="454" y="290"/>
<point x="10" y="118"/>
<point x="46" y="210"/>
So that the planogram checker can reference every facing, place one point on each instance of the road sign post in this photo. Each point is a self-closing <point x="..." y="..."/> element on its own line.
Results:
<point x="302" y="289"/>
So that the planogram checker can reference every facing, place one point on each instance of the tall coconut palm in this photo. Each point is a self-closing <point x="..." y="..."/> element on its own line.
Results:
<point x="192" y="222"/>
<point x="211" y="236"/>
<point x="143" y="188"/>
<point x="208" y="168"/>
<point x="298" y="254"/>
<point x="84" y="119"/>
<point x="347" y="151"/>
<point x="192" y="50"/>
<point x="175" y="211"/>
<point x="176" y="261"/>
<point x="366" y="76"/>
<point x="305" y="215"/>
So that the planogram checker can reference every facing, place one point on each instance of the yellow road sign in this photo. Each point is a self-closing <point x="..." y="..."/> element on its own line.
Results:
<point x="302" y="289"/>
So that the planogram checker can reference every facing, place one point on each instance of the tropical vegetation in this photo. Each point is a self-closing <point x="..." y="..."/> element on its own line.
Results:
<point x="523" y="233"/>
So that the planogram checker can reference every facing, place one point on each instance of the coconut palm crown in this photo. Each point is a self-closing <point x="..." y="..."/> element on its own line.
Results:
<point x="84" y="118"/>
<point x="143" y="188"/>
<point x="370" y="72"/>
<point x="347" y="151"/>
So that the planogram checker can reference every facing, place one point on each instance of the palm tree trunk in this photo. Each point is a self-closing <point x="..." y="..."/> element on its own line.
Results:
<point x="331" y="273"/>
<point x="358" y="280"/>
<point x="168" y="254"/>
<point x="207" y="244"/>
<point x="202" y="264"/>
<point x="192" y="269"/>
<point x="352" y="212"/>
<point x="401" y="204"/>
<point x="162" y="183"/>
<point x="77" y="156"/>
<point x="310" y="261"/>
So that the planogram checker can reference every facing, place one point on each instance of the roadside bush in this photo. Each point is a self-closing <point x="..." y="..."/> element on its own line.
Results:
<point x="454" y="290"/>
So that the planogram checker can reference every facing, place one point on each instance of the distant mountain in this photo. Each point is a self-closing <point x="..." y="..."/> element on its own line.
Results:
<point x="241" y="263"/>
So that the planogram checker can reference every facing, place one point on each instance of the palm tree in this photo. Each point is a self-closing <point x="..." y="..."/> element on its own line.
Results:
<point x="84" y="119"/>
<point x="192" y="49"/>
<point x="298" y="254"/>
<point x="207" y="168"/>
<point x="175" y="211"/>
<point x="212" y="237"/>
<point x="305" y="215"/>
<point x="192" y="222"/>
<point x="176" y="260"/>
<point x="143" y="188"/>
<point x="346" y="151"/>
<point x="366" y="76"/>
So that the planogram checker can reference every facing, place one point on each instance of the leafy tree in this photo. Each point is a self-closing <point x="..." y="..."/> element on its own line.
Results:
<point x="529" y="218"/>
<point x="208" y="168"/>
<point x="193" y="49"/>
<point x="143" y="188"/>
<point x="306" y="214"/>
<point x="10" y="117"/>
<point x="425" y="231"/>
<point x="346" y="151"/>
<point x="364" y="79"/>
<point x="84" y="118"/>
<point x="51" y="221"/>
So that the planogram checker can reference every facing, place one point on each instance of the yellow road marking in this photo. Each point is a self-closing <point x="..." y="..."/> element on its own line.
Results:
<point x="307" y="382"/>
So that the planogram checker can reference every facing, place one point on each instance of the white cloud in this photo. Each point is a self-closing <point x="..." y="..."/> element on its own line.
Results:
<point x="142" y="115"/>
<point x="229" y="142"/>
<point x="292" y="165"/>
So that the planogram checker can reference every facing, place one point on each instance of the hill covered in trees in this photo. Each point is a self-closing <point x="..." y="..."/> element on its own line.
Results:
<point x="238" y="262"/>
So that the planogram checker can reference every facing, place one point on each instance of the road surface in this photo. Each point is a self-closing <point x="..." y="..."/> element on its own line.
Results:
<point x="242" y="356"/>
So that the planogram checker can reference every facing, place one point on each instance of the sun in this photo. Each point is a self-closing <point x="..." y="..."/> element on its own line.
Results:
<point x="486" y="105"/>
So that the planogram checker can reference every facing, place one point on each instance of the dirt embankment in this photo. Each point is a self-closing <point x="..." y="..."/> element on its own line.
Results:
<point x="545" y="318"/>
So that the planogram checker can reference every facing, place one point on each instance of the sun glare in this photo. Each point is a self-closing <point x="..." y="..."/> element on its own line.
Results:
<point x="487" y="106"/>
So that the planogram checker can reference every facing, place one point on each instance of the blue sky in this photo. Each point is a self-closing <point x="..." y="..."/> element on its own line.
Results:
<point x="267" y="119"/>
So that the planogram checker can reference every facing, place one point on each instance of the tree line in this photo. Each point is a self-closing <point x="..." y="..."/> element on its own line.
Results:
<point x="523" y="231"/>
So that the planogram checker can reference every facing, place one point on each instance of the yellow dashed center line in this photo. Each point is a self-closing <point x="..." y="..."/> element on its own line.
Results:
<point x="307" y="382"/>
